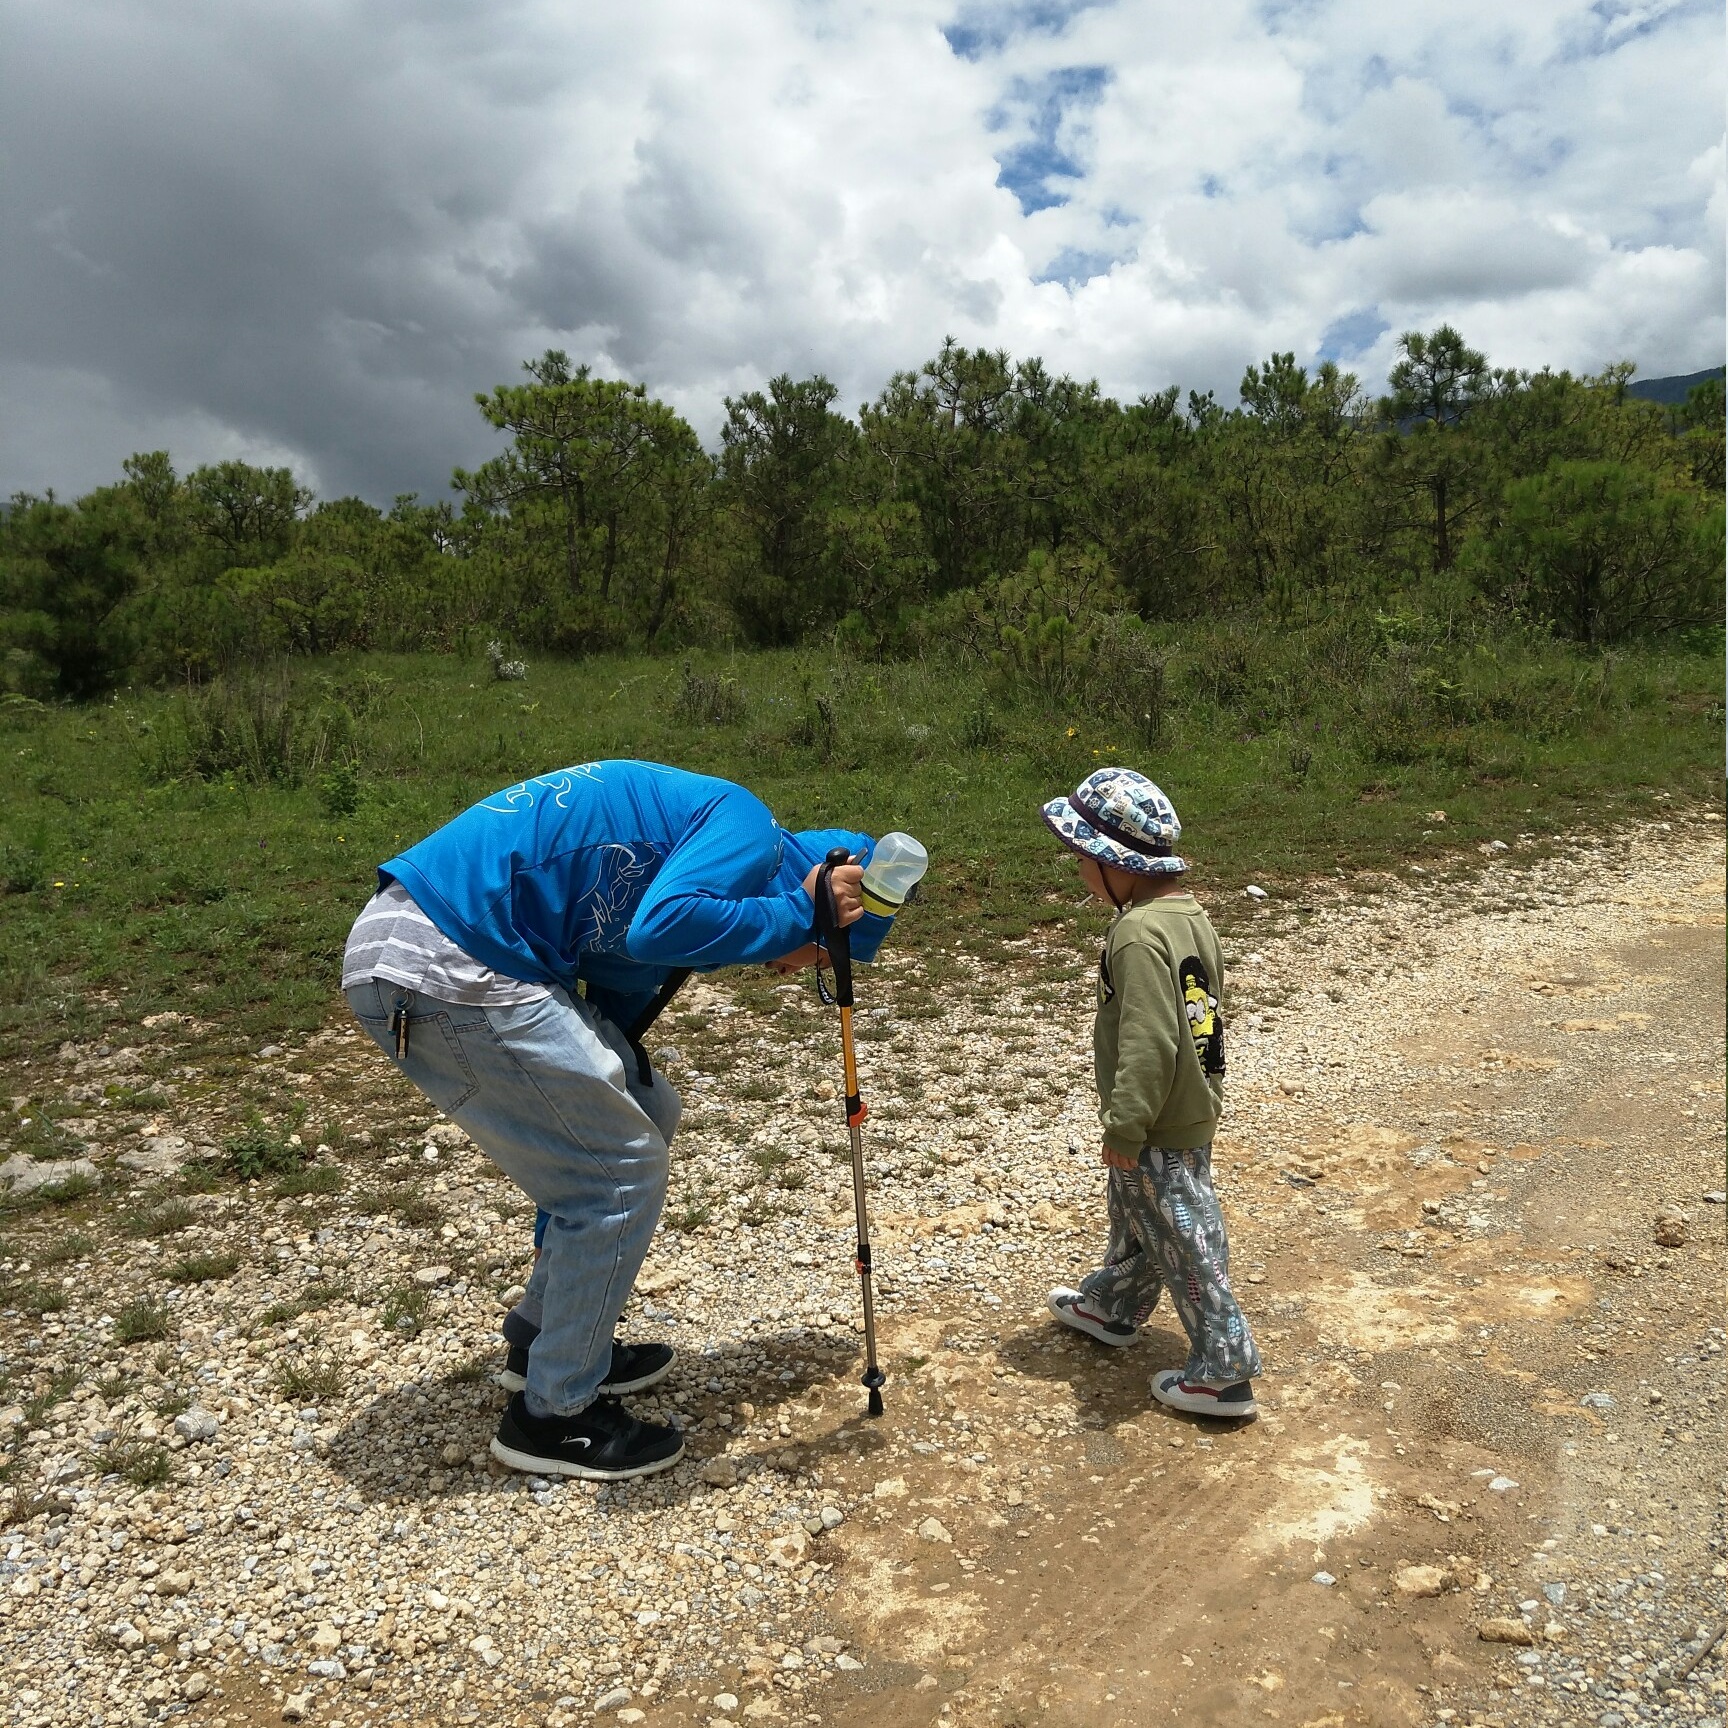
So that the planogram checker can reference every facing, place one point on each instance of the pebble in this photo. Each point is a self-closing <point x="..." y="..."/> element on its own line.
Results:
<point x="1413" y="1582"/>
<point x="195" y="1425"/>
<point x="1504" y="1630"/>
<point x="614" y="1699"/>
<point x="934" y="1530"/>
<point x="1671" y="1230"/>
<point x="1254" y="891"/>
<point x="1325" y="1578"/>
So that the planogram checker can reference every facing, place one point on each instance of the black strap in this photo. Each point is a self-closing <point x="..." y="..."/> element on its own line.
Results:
<point x="833" y="935"/>
<point x="644" y="1021"/>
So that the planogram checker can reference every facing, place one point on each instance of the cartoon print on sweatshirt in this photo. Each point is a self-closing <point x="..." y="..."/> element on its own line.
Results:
<point x="1204" y="1020"/>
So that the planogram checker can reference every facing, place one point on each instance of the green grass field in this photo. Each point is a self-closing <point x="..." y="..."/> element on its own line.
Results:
<point x="207" y="852"/>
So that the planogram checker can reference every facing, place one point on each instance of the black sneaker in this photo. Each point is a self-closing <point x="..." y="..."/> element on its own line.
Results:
<point x="603" y="1443"/>
<point x="634" y="1368"/>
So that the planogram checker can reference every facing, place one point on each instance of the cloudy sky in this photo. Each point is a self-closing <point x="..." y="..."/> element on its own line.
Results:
<point x="308" y="231"/>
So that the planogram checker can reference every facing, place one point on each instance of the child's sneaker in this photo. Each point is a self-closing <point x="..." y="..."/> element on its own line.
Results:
<point x="1222" y="1403"/>
<point x="1069" y="1306"/>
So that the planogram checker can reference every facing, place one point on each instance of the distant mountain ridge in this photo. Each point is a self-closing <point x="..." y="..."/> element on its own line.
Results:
<point x="1672" y="391"/>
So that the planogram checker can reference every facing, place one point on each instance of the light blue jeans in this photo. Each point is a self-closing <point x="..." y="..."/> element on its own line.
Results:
<point x="548" y="1090"/>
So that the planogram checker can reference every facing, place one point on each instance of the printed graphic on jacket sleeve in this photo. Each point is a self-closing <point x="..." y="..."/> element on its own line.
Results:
<point x="1204" y="1020"/>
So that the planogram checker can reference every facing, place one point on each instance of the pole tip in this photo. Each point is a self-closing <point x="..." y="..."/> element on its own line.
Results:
<point x="875" y="1402"/>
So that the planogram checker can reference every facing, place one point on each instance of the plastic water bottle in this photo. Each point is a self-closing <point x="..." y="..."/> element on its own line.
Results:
<point x="894" y="870"/>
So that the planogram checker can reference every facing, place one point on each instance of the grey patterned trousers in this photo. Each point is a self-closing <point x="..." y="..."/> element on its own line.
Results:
<point x="1166" y="1231"/>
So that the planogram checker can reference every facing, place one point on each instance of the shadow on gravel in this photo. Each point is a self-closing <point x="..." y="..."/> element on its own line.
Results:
<point x="429" y="1440"/>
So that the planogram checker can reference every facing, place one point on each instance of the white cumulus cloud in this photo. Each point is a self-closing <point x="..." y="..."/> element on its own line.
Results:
<point x="314" y="230"/>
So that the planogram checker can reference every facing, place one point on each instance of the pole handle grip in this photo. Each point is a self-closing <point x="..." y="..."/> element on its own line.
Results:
<point x="836" y="939"/>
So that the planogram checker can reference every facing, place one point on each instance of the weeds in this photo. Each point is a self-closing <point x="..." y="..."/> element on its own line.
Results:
<point x="64" y="1250"/>
<point x="419" y="1209"/>
<point x="60" y="1386"/>
<point x="201" y="1176"/>
<point x="314" y="1179"/>
<point x="141" y="1323"/>
<point x="310" y="1380"/>
<point x="141" y="1462"/>
<point x="404" y="1310"/>
<point x="692" y="1216"/>
<point x="258" y="1150"/>
<point x="704" y="700"/>
<point x="164" y="1220"/>
<point x="111" y="1388"/>
<point x="312" y="1298"/>
<point x="203" y="1268"/>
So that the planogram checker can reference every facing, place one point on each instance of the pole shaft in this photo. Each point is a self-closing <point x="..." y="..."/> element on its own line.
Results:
<point x="855" y="1129"/>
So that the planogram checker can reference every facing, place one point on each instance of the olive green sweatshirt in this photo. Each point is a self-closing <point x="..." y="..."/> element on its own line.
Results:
<point x="1158" y="1041"/>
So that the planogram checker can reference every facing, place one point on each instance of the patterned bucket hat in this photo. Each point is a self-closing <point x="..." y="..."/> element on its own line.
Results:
<point x="1119" y="817"/>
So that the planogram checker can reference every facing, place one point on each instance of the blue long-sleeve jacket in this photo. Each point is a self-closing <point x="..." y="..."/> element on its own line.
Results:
<point x="617" y="873"/>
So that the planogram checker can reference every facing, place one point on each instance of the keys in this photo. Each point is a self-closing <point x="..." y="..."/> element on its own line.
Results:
<point x="399" y="1025"/>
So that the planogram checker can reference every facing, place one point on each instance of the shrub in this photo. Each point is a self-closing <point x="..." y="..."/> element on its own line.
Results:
<point x="339" y="790"/>
<point x="1603" y="552"/>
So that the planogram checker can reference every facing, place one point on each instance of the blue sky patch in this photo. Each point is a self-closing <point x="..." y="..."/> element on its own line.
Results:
<point x="1350" y="337"/>
<point x="1073" y="268"/>
<point x="1034" y="169"/>
<point x="987" y="29"/>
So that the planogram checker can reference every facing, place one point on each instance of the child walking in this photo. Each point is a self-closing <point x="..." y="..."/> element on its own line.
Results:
<point x="1158" y="1048"/>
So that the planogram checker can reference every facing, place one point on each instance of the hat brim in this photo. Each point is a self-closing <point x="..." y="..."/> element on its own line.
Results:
<point x="1078" y="835"/>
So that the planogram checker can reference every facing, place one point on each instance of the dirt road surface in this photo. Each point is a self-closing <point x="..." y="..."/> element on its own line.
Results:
<point x="1472" y="1166"/>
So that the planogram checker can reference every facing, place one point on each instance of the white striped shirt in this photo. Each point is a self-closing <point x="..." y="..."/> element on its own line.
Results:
<point x="395" y="941"/>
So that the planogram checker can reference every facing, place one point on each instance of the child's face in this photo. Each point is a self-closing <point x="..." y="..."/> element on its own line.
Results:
<point x="1092" y="874"/>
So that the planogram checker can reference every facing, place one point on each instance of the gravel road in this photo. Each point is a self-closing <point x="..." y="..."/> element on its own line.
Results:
<point x="1472" y="1163"/>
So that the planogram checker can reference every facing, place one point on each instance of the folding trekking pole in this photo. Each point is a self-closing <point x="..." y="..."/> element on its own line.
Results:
<point x="839" y="945"/>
